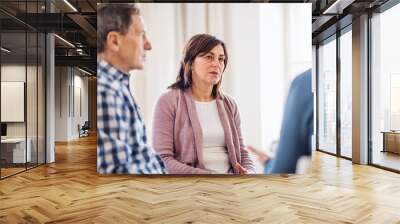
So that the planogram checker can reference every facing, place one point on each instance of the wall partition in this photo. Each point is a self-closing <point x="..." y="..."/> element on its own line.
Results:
<point x="22" y="78"/>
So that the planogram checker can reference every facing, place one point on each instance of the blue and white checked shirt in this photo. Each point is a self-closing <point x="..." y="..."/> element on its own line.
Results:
<point x="121" y="134"/>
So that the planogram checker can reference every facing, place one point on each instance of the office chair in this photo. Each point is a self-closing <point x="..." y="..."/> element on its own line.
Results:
<point x="84" y="130"/>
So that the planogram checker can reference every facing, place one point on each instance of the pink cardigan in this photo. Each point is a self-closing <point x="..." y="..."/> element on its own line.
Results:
<point x="177" y="133"/>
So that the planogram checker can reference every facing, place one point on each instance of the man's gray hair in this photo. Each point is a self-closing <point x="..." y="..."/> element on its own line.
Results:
<point x="113" y="17"/>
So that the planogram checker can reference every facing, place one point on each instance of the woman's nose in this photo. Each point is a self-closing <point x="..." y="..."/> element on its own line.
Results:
<point x="215" y="62"/>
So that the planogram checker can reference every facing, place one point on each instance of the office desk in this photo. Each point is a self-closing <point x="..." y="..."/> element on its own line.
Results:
<point x="13" y="150"/>
<point x="391" y="142"/>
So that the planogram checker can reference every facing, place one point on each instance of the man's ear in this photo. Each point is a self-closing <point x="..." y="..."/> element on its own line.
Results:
<point x="113" y="41"/>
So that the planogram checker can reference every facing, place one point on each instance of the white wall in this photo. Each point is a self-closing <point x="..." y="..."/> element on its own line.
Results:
<point x="12" y="100"/>
<point x="61" y="103"/>
<point x="68" y="82"/>
<point x="79" y="117"/>
<point x="15" y="73"/>
<point x="244" y="76"/>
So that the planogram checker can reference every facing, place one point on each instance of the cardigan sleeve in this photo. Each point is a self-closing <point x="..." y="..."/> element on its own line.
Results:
<point x="246" y="161"/>
<point x="163" y="136"/>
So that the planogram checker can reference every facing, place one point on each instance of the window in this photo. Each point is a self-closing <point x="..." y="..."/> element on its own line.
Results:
<point x="385" y="89"/>
<point x="327" y="97"/>
<point x="346" y="94"/>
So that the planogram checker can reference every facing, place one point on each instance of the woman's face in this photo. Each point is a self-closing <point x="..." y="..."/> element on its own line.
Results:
<point x="207" y="69"/>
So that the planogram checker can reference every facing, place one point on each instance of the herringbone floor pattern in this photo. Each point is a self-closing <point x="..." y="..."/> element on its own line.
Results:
<point x="70" y="191"/>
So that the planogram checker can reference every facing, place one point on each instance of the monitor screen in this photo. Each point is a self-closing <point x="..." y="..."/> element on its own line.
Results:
<point x="3" y="129"/>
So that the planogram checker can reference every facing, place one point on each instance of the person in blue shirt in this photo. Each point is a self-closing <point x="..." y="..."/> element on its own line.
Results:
<point x="296" y="130"/>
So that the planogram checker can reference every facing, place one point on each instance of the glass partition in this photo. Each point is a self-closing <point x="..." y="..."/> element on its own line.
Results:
<point x="327" y="96"/>
<point x="22" y="88"/>
<point x="346" y="94"/>
<point x="14" y="153"/>
<point x="385" y="87"/>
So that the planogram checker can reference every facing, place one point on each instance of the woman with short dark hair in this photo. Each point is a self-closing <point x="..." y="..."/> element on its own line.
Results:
<point x="196" y="128"/>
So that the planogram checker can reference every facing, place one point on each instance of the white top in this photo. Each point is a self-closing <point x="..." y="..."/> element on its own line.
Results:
<point x="215" y="154"/>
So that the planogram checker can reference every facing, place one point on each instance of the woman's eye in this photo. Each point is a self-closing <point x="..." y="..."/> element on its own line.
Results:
<point x="221" y="60"/>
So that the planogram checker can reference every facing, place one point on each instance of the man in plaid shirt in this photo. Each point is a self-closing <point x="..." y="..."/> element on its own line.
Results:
<point x="122" y="146"/>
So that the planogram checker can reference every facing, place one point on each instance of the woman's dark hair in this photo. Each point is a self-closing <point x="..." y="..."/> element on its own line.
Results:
<point x="198" y="45"/>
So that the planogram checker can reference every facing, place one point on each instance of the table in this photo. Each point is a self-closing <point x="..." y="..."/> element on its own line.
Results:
<point x="13" y="150"/>
<point x="391" y="141"/>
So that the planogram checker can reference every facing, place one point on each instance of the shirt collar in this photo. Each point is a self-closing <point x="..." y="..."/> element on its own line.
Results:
<point x="112" y="72"/>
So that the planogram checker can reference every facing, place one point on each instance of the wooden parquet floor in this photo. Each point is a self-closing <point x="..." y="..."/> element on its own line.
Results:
<point x="70" y="191"/>
<point x="9" y="171"/>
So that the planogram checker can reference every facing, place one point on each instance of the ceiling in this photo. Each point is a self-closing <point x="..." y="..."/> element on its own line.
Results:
<point x="75" y="21"/>
<point x="76" y="25"/>
<point x="329" y="16"/>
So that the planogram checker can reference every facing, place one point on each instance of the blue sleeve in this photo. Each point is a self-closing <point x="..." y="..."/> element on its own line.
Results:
<point x="297" y="126"/>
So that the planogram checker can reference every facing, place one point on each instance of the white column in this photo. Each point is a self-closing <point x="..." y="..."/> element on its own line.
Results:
<point x="50" y="99"/>
<point x="50" y="93"/>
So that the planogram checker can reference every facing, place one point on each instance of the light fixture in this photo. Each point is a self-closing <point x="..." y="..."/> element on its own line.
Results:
<point x="5" y="50"/>
<point x="70" y="5"/>
<point x="84" y="71"/>
<point x="80" y="51"/>
<point x="64" y="40"/>
<point x="337" y="7"/>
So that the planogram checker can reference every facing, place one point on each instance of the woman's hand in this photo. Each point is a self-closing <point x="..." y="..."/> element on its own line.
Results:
<point x="262" y="156"/>
<point x="241" y="169"/>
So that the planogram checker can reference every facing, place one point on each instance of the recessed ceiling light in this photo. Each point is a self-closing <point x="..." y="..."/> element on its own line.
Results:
<point x="84" y="71"/>
<point x="64" y="40"/>
<point x="70" y="5"/>
<point x="5" y="50"/>
<point x="337" y="7"/>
